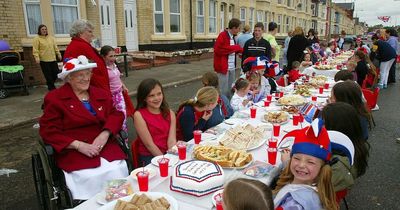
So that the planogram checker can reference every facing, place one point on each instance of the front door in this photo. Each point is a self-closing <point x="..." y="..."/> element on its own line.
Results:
<point x="131" y="25"/>
<point x="107" y="22"/>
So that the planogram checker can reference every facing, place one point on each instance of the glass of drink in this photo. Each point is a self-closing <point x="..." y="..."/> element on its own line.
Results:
<point x="280" y="94"/>
<point x="266" y="103"/>
<point x="219" y="203"/>
<point x="181" y="150"/>
<point x="143" y="180"/>
<point x="197" y="136"/>
<point x="253" y="111"/>
<point x="163" y="165"/>
<point x="269" y="97"/>
<point x="326" y="85"/>
<point x="272" y="155"/>
<point x="296" y="119"/>
<point x="321" y="89"/>
<point x="313" y="98"/>
<point x="276" y="129"/>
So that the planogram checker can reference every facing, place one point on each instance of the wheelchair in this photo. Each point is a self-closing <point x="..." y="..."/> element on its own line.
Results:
<point x="51" y="189"/>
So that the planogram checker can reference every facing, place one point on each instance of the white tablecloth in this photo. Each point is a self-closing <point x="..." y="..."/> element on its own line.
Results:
<point x="329" y="73"/>
<point x="187" y="202"/>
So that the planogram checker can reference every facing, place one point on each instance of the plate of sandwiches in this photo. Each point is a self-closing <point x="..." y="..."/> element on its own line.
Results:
<point x="143" y="201"/>
<point x="243" y="137"/>
<point x="293" y="100"/>
<point x="223" y="156"/>
<point x="280" y="117"/>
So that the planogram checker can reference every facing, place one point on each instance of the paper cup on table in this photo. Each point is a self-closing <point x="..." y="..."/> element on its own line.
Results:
<point x="163" y="165"/>
<point x="197" y="136"/>
<point x="272" y="142"/>
<point x="267" y="103"/>
<point x="326" y="85"/>
<point x="253" y="112"/>
<point x="296" y="119"/>
<point x="321" y="90"/>
<point x="143" y="180"/>
<point x="269" y="97"/>
<point x="313" y="98"/>
<point x="272" y="152"/>
<point x="276" y="129"/>
<point x="181" y="150"/>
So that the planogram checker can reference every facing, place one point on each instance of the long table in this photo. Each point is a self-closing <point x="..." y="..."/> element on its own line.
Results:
<point x="160" y="184"/>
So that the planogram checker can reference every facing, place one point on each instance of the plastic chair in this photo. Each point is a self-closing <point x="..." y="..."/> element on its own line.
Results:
<point x="371" y="97"/>
<point x="341" y="195"/>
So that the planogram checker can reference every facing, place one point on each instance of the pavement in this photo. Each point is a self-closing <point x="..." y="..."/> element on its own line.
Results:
<point x="18" y="110"/>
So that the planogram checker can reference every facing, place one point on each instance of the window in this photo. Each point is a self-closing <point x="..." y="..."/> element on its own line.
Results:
<point x="158" y="16"/>
<point x="314" y="9"/>
<point x="243" y="16"/>
<point x="266" y="21"/>
<point x="200" y="16"/>
<point x="65" y="12"/>
<point x="175" y="16"/>
<point x="287" y="23"/>
<point x="279" y="23"/>
<point x="212" y="27"/>
<point x="260" y="17"/>
<point x="251" y="18"/>
<point x="280" y="1"/>
<point x="289" y="3"/>
<point x="33" y="17"/>
<point x="272" y="18"/>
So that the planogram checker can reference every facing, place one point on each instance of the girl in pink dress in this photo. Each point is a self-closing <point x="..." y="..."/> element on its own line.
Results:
<point x="154" y="121"/>
<point x="116" y="85"/>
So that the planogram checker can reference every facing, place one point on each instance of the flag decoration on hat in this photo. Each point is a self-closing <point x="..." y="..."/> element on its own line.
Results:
<point x="75" y="64"/>
<point x="255" y="63"/>
<point x="273" y="70"/>
<point x="312" y="140"/>
<point x="309" y="111"/>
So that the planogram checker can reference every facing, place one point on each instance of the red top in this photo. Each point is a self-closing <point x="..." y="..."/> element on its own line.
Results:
<point x="222" y="49"/>
<point x="158" y="127"/>
<point x="65" y="119"/>
<point x="294" y="75"/>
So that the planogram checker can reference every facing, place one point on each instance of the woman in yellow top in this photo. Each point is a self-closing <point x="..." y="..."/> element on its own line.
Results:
<point x="46" y="53"/>
<point x="270" y="37"/>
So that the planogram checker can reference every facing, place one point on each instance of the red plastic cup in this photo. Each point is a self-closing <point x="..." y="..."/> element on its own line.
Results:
<point x="272" y="155"/>
<point x="277" y="129"/>
<point x="181" y="151"/>
<point x="313" y="98"/>
<point x="163" y="165"/>
<point x="266" y="103"/>
<point x="301" y="118"/>
<point x="143" y="180"/>
<point x="280" y="94"/>
<point x="277" y="94"/>
<point x="321" y="90"/>
<point x="219" y="204"/>
<point x="197" y="136"/>
<point x="272" y="142"/>
<point x="317" y="63"/>
<point x="326" y="85"/>
<point x="253" y="111"/>
<point x="269" y="97"/>
<point x="339" y="66"/>
<point x="296" y="119"/>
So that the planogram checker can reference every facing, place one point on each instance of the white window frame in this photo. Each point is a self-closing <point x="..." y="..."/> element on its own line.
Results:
<point x="180" y="18"/>
<point x="287" y="22"/>
<point x="212" y="18"/>
<point x="289" y="3"/>
<point x="314" y="9"/>
<point x="26" y="2"/>
<point x="279" y="23"/>
<point x="266" y="16"/>
<point x="260" y="16"/>
<point x="251" y="18"/>
<point x="243" y="16"/>
<point x="64" y="5"/>
<point x="199" y="16"/>
<point x="158" y="13"/>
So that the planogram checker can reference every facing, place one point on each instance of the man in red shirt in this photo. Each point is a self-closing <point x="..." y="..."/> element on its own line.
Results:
<point x="225" y="49"/>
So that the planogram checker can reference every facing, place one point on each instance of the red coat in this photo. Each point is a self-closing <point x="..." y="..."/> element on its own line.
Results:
<point x="65" y="119"/>
<point x="222" y="49"/>
<point x="99" y="78"/>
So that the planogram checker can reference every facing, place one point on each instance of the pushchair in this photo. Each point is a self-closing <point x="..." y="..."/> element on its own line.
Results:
<point x="11" y="73"/>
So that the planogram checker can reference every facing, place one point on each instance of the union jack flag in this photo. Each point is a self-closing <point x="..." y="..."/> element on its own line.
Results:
<point x="384" y="18"/>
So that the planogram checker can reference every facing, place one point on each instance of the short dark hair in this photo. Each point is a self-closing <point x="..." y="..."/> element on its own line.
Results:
<point x="40" y="28"/>
<point x="234" y="23"/>
<point x="259" y="25"/>
<point x="105" y="50"/>
<point x="272" y="26"/>
<point x="344" y="76"/>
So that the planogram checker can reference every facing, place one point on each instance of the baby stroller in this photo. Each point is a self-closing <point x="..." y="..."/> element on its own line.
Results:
<point x="11" y="73"/>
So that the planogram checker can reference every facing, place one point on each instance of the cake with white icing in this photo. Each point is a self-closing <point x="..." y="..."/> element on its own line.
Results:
<point x="197" y="177"/>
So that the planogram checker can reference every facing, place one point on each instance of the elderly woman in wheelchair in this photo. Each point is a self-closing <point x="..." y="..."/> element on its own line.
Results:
<point x="79" y="122"/>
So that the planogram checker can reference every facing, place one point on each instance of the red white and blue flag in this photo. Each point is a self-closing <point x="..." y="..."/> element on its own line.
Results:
<point x="385" y="19"/>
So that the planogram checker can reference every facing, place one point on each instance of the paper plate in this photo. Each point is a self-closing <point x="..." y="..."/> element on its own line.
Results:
<point x="173" y="159"/>
<point x="208" y="137"/>
<point x="151" y="171"/>
<point x="153" y="195"/>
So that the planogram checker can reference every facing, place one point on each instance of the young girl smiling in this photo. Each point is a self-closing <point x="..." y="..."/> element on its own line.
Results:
<point x="240" y="99"/>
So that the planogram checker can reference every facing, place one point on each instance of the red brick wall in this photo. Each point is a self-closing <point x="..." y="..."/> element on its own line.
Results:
<point x="33" y="74"/>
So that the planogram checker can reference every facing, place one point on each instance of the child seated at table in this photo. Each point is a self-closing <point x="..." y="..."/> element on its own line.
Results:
<point x="305" y="182"/>
<point x="194" y="113"/>
<point x="154" y="122"/>
<point x="247" y="194"/>
<point x="259" y="86"/>
<point x="294" y="73"/>
<point x="223" y="110"/>
<point x="240" y="100"/>
<point x="306" y="62"/>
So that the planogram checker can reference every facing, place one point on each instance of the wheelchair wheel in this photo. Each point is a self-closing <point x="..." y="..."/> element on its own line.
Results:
<point x="40" y="182"/>
<point x="3" y="93"/>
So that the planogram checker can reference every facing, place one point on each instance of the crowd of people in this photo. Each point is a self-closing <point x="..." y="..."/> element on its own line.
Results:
<point x="81" y="118"/>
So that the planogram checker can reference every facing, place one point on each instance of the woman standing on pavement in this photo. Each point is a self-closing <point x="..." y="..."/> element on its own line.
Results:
<point x="46" y="53"/>
<point x="82" y="34"/>
<point x="297" y="45"/>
